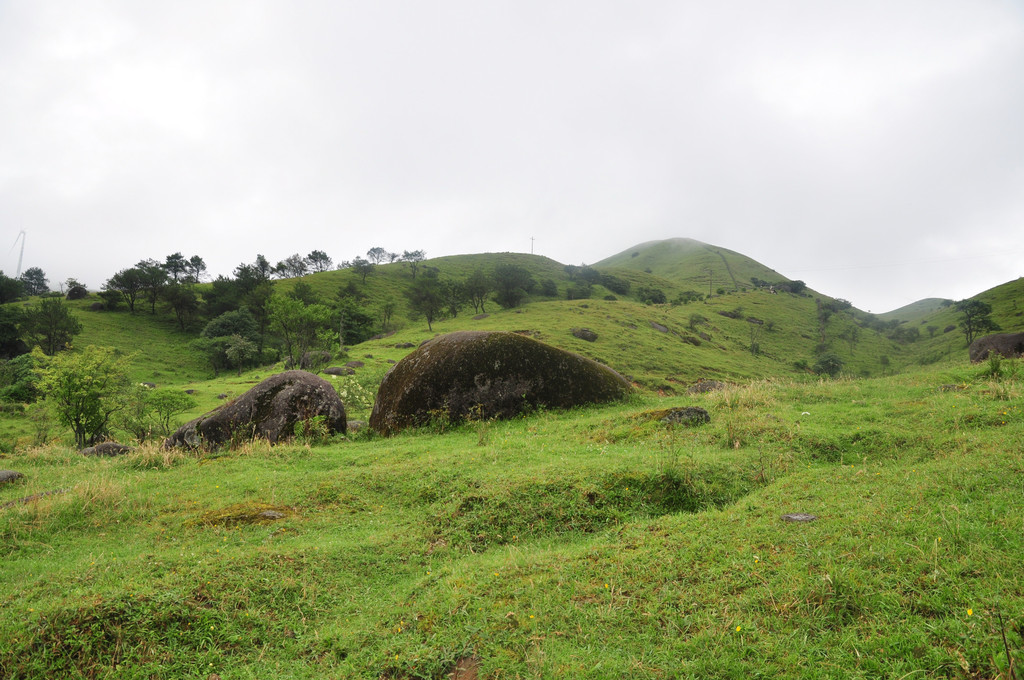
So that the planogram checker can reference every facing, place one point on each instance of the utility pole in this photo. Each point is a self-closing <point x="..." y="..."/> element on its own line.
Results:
<point x="708" y="270"/>
<point x="21" y="235"/>
<point x="531" y="244"/>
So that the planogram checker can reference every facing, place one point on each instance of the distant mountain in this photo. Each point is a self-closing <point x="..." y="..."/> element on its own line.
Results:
<point x="693" y="265"/>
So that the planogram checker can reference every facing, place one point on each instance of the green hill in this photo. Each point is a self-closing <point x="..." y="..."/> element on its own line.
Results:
<point x="692" y="264"/>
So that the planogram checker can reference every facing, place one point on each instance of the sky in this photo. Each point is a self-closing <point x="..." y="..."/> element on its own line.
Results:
<point x="873" y="149"/>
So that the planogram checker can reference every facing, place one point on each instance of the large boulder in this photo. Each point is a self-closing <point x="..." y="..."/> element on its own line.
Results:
<point x="488" y="375"/>
<point x="1009" y="345"/>
<point x="268" y="411"/>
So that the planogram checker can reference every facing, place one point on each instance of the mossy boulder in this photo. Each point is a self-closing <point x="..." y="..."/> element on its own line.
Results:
<point x="1008" y="345"/>
<point x="488" y="375"/>
<point x="268" y="411"/>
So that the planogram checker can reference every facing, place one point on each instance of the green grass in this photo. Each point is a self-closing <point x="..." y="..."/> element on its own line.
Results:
<point x="592" y="543"/>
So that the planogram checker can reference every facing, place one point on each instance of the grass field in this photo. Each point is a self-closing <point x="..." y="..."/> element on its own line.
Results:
<point x="592" y="543"/>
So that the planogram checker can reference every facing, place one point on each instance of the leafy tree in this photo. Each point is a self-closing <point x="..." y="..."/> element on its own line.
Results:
<point x="19" y="381"/>
<point x="548" y="288"/>
<point x="975" y="318"/>
<point x="478" y="287"/>
<point x="355" y="323"/>
<point x="581" y="290"/>
<point x="196" y="269"/>
<point x="303" y="328"/>
<point x="239" y="322"/>
<point x="51" y="325"/>
<point x="385" y="313"/>
<point x="257" y="301"/>
<point x="154" y="279"/>
<point x="426" y="298"/>
<point x="304" y="293"/>
<point x="184" y="302"/>
<point x="615" y="284"/>
<point x="292" y="266"/>
<point x="10" y="289"/>
<point x="454" y="294"/>
<point x="376" y="255"/>
<point x="176" y="266"/>
<point x="85" y="389"/>
<point x="12" y="319"/>
<point x="149" y="411"/>
<point x="413" y="258"/>
<point x="362" y="267"/>
<point x="649" y="295"/>
<point x="319" y="261"/>
<point x="34" y="281"/>
<point x="512" y="284"/>
<point x="240" y="352"/>
<point x="828" y="364"/>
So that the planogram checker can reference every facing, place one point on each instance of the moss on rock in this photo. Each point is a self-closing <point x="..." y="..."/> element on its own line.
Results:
<point x="488" y="375"/>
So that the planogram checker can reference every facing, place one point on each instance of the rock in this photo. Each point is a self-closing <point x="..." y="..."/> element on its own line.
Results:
<point x="77" y="293"/>
<point x="702" y="386"/>
<point x="190" y="391"/>
<point x="488" y="375"/>
<point x="7" y="476"/>
<point x="356" y="425"/>
<point x="339" y="370"/>
<point x="1008" y="345"/>
<point x="798" y="517"/>
<point x="381" y="336"/>
<point x="355" y="364"/>
<point x="107" y="449"/>
<point x="268" y="411"/>
<point x="149" y="385"/>
<point x="480" y="317"/>
<point x="97" y="307"/>
<point x="311" y="360"/>
<point x="404" y="345"/>
<point x="689" y="416"/>
<point x="584" y="334"/>
<point x="658" y="327"/>
<point x="222" y="395"/>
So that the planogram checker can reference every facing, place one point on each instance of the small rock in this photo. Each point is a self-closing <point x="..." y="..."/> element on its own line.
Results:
<point x="367" y="356"/>
<point x="702" y="386"/>
<point x="339" y="370"/>
<point x="107" y="449"/>
<point x="584" y="334"/>
<point x="271" y="514"/>
<point x="190" y="391"/>
<point x="688" y="415"/>
<point x="222" y="396"/>
<point x="404" y="345"/>
<point x="149" y="385"/>
<point x="799" y="517"/>
<point x="9" y="476"/>
<point x="355" y="364"/>
<point x="478" y="317"/>
<point x="658" y="327"/>
<point x="356" y="425"/>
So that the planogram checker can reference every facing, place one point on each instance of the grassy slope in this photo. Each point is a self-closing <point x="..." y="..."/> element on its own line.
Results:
<point x="587" y="544"/>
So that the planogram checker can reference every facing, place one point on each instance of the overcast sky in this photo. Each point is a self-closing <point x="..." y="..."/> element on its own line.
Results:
<point x="874" y="149"/>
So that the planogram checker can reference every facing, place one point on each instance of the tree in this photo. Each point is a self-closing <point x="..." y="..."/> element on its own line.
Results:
<point x="10" y="289"/>
<point x="184" y="302"/>
<point x="303" y="328"/>
<point x="413" y="258"/>
<point x="828" y="364"/>
<point x="319" y="261"/>
<point x="12" y="320"/>
<point x="85" y="389"/>
<point x="51" y="325"/>
<point x="454" y="294"/>
<point x="975" y="318"/>
<point x="34" y="281"/>
<point x="240" y="352"/>
<point x="362" y="267"/>
<point x="292" y="266"/>
<point x="176" y="266"/>
<point x="355" y="323"/>
<point x="512" y="283"/>
<point x="304" y="293"/>
<point x="376" y="255"/>
<point x="478" y="287"/>
<point x="196" y="269"/>
<point x="427" y="299"/>
<point x="154" y="279"/>
<point x="148" y="411"/>
<point x="385" y="313"/>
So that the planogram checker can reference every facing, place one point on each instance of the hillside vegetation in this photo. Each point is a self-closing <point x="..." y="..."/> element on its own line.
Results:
<point x="598" y="542"/>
